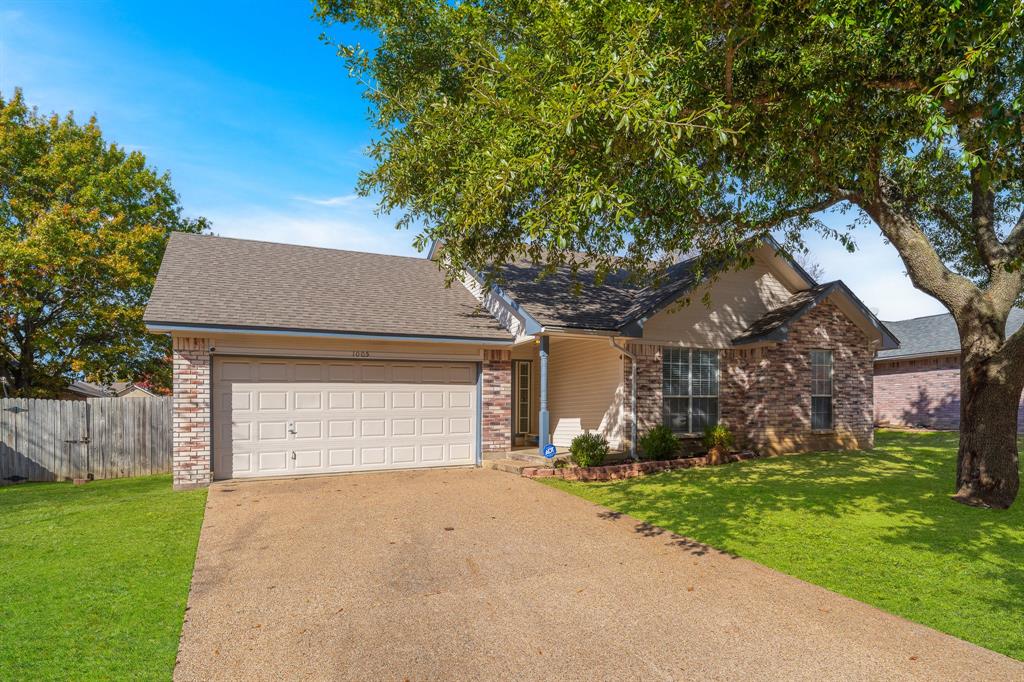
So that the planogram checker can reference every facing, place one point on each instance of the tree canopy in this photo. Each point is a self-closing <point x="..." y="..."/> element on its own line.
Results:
<point x="633" y="130"/>
<point x="83" y="225"/>
<point x="649" y="127"/>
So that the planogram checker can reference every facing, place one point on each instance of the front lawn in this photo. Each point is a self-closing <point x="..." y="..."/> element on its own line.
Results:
<point x="877" y="526"/>
<point x="94" y="579"/>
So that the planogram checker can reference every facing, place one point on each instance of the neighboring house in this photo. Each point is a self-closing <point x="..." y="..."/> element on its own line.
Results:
<point x="918" y="384"/>
<point x="82" y="390"/>
<point x="128" y="389"/>
<point x="292" y="360"/>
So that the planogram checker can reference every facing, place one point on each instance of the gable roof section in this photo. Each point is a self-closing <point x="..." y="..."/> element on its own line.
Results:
<point x="935" y="335"/>
<point x="615" y="305"/>
<point x="774" y="325"/>
<point x="559" y="301"/>
<point x="244" y="285"/>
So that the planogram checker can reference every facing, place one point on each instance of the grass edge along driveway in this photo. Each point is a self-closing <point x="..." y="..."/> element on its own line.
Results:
<point x="95" y="577"/>
<point x="876" y="525"/>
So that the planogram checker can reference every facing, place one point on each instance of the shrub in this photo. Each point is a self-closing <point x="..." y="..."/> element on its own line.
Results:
<point x="588" y="450"/>
<point x="717" y="436"/>
<point x="659" y="443"/>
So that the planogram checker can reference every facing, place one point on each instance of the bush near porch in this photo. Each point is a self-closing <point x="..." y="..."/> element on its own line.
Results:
<point x="95" y="578"/>
<point x="877" y="526"/>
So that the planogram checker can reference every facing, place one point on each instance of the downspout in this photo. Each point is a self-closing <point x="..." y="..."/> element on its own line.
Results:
<point x="632" y="395"/>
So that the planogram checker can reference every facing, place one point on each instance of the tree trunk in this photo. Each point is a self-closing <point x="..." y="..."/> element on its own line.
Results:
<point x="987" y="472"/>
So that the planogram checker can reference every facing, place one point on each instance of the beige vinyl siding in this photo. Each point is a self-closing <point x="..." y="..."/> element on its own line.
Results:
<point x="585" y="390"/>
<point x="738" y="298"/>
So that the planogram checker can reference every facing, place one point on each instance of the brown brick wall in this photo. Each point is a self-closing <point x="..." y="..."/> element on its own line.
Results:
<point x="191" y="462"/>
<point x="648" y="395"/>
<point x="921" y="392"/>
<point x="496" y="426"/>
<point x="765" y="393"/>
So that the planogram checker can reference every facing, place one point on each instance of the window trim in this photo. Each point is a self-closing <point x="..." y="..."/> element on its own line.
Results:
<point x="690" y="395"/>
<point x="831" y="389"/>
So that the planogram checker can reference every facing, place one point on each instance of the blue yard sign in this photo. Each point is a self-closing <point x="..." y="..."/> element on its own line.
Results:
<point x="550" y="450"/>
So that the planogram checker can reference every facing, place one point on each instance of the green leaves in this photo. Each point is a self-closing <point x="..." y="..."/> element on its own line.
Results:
<point x="83" y="224"/>
<point x="632" y="130"/>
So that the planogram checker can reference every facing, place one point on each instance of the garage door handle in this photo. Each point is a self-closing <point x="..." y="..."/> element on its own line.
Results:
<point x="291" y="428"/>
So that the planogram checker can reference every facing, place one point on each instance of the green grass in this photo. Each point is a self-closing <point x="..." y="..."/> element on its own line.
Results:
<point x="94" y="578"/>
<point x="877" y="526"/>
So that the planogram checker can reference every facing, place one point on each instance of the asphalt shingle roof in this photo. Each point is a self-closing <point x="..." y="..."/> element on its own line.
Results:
<point x="935" y="334"/>
<point x="224" y="282"/>
<point x="559" y="300"/>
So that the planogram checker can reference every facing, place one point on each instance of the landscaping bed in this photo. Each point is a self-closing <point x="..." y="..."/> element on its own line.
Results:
<point x="613" y="472"/>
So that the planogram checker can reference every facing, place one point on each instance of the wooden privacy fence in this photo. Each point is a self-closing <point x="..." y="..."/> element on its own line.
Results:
<point x="55" y="440"/>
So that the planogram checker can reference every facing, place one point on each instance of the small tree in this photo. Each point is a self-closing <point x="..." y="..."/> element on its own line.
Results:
<point x="83" y="225"/>
<point x="629" y="130"/>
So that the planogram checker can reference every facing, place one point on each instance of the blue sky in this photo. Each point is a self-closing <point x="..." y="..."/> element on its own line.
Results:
<point x="259" y="125"/>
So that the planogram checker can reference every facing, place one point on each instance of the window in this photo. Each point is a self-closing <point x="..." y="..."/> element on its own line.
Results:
<point x="523" y="377"/>
<point x="689" y="385"/>
<point x="821" y="389"/>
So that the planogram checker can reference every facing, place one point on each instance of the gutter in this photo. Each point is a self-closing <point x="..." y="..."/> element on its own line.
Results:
<point x="632" y="396"/>
<point x="161" y="327"/>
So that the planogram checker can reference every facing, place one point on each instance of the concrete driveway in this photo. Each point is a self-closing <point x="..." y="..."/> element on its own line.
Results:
<point x="477" y="574"/>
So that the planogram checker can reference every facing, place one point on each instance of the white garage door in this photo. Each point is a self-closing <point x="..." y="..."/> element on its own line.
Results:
<point x="275" y="417"/>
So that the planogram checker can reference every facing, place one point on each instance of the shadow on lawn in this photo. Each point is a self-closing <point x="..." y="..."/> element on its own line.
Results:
<point x="905" y="482"/>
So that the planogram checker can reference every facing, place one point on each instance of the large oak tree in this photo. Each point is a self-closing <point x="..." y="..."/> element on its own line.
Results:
<point x="83" y="225"/>
<point x="630" y="130"/>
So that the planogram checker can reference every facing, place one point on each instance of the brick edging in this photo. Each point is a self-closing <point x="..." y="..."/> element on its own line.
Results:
<point x="628" y="470"/>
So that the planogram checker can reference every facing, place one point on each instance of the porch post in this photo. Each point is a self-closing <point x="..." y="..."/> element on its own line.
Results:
<point x="544" y="434"/>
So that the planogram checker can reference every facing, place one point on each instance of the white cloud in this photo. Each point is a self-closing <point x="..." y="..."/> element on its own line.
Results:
<point x="343" y="200"/>
<point x="355" y="230"/>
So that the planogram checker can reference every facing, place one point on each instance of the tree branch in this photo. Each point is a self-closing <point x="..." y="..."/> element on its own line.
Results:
<point x="983" y="203"/>
<point x="926" y="269"/>
<point x="1015" y="240"/>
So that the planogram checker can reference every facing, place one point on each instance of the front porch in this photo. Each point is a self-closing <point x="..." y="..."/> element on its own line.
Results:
<point x="561" y="386"/>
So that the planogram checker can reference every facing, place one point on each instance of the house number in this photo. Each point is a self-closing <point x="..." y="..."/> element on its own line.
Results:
<point x="360" y="353"/>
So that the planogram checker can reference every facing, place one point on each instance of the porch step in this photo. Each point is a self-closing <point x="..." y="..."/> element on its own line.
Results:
<point x="511" y="466"/>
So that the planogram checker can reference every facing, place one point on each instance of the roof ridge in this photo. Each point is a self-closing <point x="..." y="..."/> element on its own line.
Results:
<point x="191" y="235"/>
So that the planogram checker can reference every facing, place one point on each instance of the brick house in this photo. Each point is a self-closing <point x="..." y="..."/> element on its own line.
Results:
<point x="918" y="384"/>
<point x="295" y="360"/>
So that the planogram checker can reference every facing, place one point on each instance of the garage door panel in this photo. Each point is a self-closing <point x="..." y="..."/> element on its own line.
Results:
<point x="308" y="400"/>
<point x="271" y="432"/>
<point x="273" y="461"/>
<point x="340" y="457"/>
<point x="293" y="416"/>
<point x="372" y="455"/>
<point x="267" y="401"/>
<point x="403" y="400"/>
<point x="341" y="428"/>
<point x="309" y="459"/>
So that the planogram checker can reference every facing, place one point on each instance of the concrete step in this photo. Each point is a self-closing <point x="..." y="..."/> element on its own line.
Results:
<point x="511" y="466"/>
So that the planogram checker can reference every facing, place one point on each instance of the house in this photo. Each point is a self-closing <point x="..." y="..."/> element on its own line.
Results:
<point x="82" y="390"/>
<point x="291" y="359"/>
<point x="129" y="389"/>
<point x="918" y="384"/>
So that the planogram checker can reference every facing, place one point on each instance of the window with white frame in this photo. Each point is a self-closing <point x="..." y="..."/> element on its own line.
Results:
<point x="821" y="389"/>
<point x="689" y="386"/>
